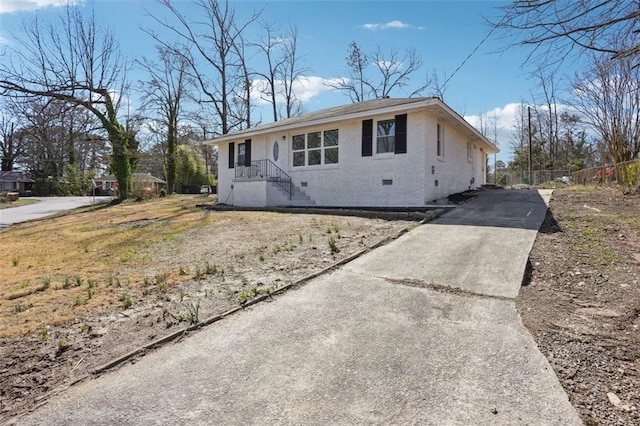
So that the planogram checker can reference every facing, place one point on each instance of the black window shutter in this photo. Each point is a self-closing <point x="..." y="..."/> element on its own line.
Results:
<point x="401" y="134"/>
<point x="247" y="153"/>
<point x="232" y="155"/>
<point x="367" y="138"/>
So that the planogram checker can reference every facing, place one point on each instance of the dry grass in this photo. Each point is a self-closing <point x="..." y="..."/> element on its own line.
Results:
<point x="90" y="262"/>
<point x="54" y="270"/>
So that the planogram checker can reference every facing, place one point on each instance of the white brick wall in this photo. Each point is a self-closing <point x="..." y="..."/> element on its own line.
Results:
<point x="357" y="180"/>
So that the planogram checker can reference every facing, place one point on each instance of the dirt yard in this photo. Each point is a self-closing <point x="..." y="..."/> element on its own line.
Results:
<point x="83" y="289"/>
<point x="582" y="303"/>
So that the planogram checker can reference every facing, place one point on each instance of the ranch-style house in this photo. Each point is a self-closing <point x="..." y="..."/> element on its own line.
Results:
<point x="379" y="153"/>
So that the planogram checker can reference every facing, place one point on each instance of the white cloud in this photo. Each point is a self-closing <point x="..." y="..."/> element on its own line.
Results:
<point x="305" y="88"/>
<point x="10" y="6"/>
<point x="395" y="25"/>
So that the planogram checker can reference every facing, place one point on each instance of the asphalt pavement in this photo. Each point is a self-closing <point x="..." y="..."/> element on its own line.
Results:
<point x="421" y="331"/>
<point x="46" y="206"/>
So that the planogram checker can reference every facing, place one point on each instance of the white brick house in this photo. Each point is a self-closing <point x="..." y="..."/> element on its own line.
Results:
<point x="379" y="153"/>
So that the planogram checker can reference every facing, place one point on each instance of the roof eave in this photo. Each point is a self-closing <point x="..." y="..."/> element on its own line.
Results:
<point x="320" y="121"/>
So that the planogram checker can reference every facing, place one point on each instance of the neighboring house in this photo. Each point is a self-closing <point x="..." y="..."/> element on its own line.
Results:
<point x="15" y="182"/>
<point x="108" y="184"/>
<point x="379" y="153"/>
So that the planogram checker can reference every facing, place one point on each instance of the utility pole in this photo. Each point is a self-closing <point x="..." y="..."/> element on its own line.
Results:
<point x="530" y="150"/>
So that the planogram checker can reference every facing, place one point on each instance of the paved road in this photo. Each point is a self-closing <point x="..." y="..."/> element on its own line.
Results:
<point x="421" y="331"/>
<point x="46" y="206"/>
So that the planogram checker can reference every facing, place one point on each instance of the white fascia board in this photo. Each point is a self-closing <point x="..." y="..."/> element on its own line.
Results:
<point x="490" y="148"/>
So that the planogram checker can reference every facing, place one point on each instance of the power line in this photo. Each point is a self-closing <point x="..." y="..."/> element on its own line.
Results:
<point x="475" y="49"/>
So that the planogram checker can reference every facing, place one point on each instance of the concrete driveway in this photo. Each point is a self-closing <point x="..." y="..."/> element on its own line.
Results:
<point x="46" y="206"/>
<point x="422" y="331"/>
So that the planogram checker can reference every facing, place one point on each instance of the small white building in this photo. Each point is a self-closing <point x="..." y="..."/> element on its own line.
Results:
<point x="379" y="153"/>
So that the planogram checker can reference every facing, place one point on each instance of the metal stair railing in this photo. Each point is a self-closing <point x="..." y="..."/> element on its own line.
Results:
<point x="266" y="170"/>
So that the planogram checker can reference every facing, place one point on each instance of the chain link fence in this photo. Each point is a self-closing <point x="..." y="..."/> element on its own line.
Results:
<point x="626" y="174"/>
<point x="511" y="178"/>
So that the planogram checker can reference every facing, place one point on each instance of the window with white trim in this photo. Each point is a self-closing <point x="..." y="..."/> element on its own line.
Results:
<point x="440" y="140"/>
<point x="386" y="136"/>
<point x="315" y="148"/>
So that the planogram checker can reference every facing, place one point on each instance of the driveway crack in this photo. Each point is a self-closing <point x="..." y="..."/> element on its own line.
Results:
<point x="443" y="288"/>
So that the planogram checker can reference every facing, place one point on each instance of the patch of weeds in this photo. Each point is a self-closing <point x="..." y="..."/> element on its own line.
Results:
<point x="289" y="247"/>
<point x="44" y="333"/>
<point x="591" y="232"/>
<point x="146" y="282"/>
<point x="182" y="295"/>
<point x="198" y="275"/>
<point x="276" y="250"/>
<point x="85" y="248"/>
<point x="300" y="239"/>
<point x="62" y="345"/>
<point x="254" y="291"/>
<point x="46" y="282"/>
<point x="261" y="257"/>
<point x="207" y="293"/>
<point x="18" y="307"/>
<point x="243" y="296"/>
<point x="66" y="283"/>
<point x="210" y="270"/>
<point x="161" y="282"/>
<point x="84" y="328"/>
<point x="90" y="286"/>
<point x="333" y="246"/>
<point x="78" y="281"/>
<point x="125" y="299"/>
<point x="193" y="312"/>
<point x="25" y="285"/>
<point x="333" y="229"/>
<point x="77" y="301"/>
<point x="14" y="261"/>
<point x="182" y="271"/>
<point x="128" y="255"/>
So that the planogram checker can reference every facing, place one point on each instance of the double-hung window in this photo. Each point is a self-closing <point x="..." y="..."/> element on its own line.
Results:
<point x="388" y="136"/>
<point x="386" y="140"/>
<point x="315" y="148"/>
<point x="242" y="151"/>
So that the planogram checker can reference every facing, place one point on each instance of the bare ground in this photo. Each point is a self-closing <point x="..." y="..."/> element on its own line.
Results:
<point x="582" y="301"/>
<point x="194" y="275"/>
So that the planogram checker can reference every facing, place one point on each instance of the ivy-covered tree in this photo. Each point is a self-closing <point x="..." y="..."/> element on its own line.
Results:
<point x="75" y="62"/>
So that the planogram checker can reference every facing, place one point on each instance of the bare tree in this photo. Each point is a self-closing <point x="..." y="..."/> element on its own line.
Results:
<point x="77" y="63"/>
<point x="356" y="86"/>
<point x="379" y="74"/>
<point x="608" y="96"/>
<point x="291" y="70"/>
<point x="62" y="147"/>
<point x="269" y="45"/>
<point x="548" y="125"/>
<point x="395" y="71"/>
<point x="555" y="27"/>
<point x="212" y="46"/>
<point x="11" y="138"/>
<point x="165" y="92"/>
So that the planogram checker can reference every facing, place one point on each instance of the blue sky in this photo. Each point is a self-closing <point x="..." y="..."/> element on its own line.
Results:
<point x="444" y="33"/>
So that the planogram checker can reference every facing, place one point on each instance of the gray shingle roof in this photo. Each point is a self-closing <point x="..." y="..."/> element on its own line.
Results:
<point x="14" y="176"/>
<point x="334" y="112"/>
